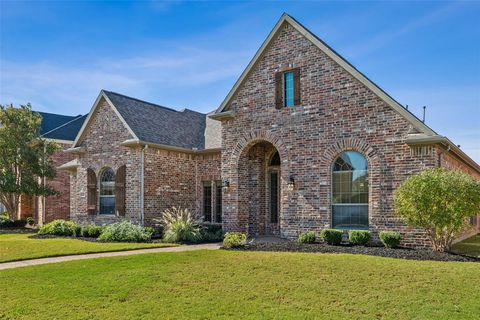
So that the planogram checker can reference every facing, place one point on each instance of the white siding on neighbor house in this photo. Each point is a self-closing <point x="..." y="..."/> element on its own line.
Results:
<point x="2" y="208"/>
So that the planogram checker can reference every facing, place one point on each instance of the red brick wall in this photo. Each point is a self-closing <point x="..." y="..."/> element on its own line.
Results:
<point x="337" y="113"/>
<point x="58" y="206"/>
<point x="175" y="178"/>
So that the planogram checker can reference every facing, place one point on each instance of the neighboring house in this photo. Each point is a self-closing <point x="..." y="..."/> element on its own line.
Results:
<point x="2" y="208"/>
<point x="62" y="130"/>
<point x="303" y="141"/>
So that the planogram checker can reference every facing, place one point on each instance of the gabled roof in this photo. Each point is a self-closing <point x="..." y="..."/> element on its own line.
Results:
<point x="67" y="131"/>
<point x="59" y="127"/>
<point x="151" y="123"/>
<point x="286" y="19"/>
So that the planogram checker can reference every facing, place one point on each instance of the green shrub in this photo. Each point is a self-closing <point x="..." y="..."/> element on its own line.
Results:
<point x="234" y="240"/>
<point x="30" y="221"/>
<point x="124" y="231"/>
<point x="59" y="228"/>
<point x="180" y="226"/>
<point x="307" y="237"/>
<point x="91" y="231"/>
<point x="211" y="232"/>
<point x="150" y="230"/>
<point x="390" y="239"/>
<point x="331" y="236"/>
<point x="440" y="202"/>
<point x="359" y="237"/>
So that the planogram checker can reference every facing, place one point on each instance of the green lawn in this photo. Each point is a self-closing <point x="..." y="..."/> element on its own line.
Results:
<point x="238" y="285"/>
<point x="21" y="246"/>
<point x="470" y="246"/>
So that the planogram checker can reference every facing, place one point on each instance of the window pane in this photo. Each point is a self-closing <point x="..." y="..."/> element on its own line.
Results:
<point x="207" y="201"/>
<point x="350" y="216"/>
<point x="273" y="197"/>
<point x="350" y="191"/>
<point x="107" y="205"/>
<point x="288" y="94"/>
<point x="107" y="191"/>
<point x="218" y="202"/>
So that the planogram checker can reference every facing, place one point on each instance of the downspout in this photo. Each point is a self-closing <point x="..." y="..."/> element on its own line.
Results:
<point x="142" y="186"/>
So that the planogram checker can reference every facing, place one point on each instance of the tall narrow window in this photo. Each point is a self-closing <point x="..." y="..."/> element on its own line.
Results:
<point x="107" y="191"/>
<point x="274" y="196"/>
<point x="288" y="89"/>
<point x="207" y="201"/>
<point x="350" y="191"/>
<point x="218" y="201"/>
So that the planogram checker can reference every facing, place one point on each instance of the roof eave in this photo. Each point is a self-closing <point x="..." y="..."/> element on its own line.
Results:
<point x="420" y="139"/>
<point x="225" y="115"/>
<point x="141" y="143"/>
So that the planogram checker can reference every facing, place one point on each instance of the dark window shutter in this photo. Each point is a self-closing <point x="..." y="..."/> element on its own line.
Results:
<point x="296" y="86"/>
<point x="120" y="179"/>
<point x="278" y="90"/>
<point x="91" y="192"/>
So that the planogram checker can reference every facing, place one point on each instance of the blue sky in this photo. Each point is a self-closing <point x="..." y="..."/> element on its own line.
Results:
<point x="58" y="55"/>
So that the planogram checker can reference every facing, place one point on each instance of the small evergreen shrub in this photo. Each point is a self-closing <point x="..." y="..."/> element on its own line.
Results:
<point x="211" y="232"/>
<point x="30" y="221"/>
<point x="91" y="231"/>
<point x="124" y="231"/>
<point x="307" y="237"/>
<point x="359" y="237"/>
<point x="390" y="239"/>
<point x="180" y="226"/>
<point x="150" y="230"/>
<point x="59" y="228"/>
<point x="234" y="240"/>
<point x="331" y="236"/>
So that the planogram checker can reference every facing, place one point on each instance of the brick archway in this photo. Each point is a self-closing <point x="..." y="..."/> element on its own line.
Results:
<point x="249" y="193"/>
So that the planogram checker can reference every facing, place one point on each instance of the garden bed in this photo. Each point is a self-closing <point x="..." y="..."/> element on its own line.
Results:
<point x="399" y="253"/>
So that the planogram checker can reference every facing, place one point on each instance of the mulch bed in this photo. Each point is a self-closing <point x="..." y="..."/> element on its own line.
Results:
<point x="399" y="253"/>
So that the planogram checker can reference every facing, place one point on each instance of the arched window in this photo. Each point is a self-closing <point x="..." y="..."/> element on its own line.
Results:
<point x="107" y="191"/>
<point x="275" y="160"/>
<point x="350" y="191"/>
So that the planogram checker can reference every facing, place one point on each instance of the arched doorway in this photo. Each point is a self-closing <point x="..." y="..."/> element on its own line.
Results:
<point x="259" y="188"/>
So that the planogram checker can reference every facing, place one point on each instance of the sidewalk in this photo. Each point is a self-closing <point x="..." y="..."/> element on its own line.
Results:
<point x="35" y="262"/>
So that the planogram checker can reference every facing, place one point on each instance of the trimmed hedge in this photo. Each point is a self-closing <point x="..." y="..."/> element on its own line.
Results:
<point x="390" y="239"/>
<point x="211" y="232"/>
<point x="60" y="228"/>
<point x="234" y="240"/>
<point x="125" y="232"/>
<point x="91" y="231"/>
<point x="307" y="237"/>
<point x="359" y="237"/>
<point x="331" y="236"/>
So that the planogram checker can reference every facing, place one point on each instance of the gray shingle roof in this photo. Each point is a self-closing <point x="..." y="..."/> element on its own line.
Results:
<point x="161" y="125"/>
<point x="58" y="126"/>
<point x="67" y="131"/>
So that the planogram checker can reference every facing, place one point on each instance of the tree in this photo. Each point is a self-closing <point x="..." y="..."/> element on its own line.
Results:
<point x="440" y="201"/>
<point x="24" y="156"/>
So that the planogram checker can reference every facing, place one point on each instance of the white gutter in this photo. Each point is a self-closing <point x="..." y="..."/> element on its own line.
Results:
<point x="142" y="186"/>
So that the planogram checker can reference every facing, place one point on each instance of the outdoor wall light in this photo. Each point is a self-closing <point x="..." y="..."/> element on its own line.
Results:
<point x="226" y="184"/>
<point x="291" y="183"/>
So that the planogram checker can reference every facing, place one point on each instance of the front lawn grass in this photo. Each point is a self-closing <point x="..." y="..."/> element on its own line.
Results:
<point x="242" y="285"/>
<point x="16" y="246"/>
<point x="470" y="246"/>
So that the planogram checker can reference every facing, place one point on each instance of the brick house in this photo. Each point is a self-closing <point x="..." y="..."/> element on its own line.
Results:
<point x="62" y="130"/>
<point x="303" y="141"/>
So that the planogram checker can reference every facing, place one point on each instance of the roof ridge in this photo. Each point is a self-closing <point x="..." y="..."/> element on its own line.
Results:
<point x="150" y="103"/>
<point x="58" y="114"/>
<point x="63" y="125"/>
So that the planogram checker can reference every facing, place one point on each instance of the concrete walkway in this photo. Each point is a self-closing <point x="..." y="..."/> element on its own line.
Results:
<point x="35" y="262"/>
